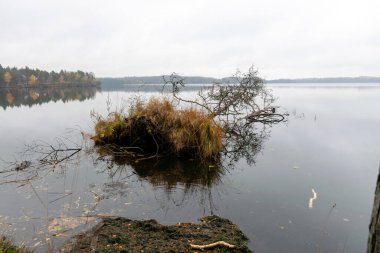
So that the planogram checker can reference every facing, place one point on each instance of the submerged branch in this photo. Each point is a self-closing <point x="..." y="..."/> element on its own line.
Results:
<point x="38" y="158"/>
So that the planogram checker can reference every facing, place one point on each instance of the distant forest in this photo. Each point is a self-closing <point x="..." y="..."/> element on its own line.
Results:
<point x="12" y="77"/>
<point x="26" y="77"/>
<point x="114" y="82"/>
<point x="110" y="81"/>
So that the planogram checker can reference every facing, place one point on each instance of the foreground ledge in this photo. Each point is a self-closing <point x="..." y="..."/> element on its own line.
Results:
<point x="212" y="234"/>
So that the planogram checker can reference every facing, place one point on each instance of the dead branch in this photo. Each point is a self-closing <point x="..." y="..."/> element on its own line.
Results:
<point x="212" y="245"/>
<point x="246" y="98"/>
<point x="236" y="105"/>
<point x="177" y="82"/>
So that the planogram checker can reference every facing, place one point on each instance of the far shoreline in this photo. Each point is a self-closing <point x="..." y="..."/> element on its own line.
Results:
<point x="48" y="85"/>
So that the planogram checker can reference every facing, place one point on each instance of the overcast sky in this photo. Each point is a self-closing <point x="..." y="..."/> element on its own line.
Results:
<point x="282" y="38"/>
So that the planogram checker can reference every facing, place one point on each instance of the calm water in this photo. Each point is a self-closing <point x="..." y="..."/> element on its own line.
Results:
<point x="329" y="147"/>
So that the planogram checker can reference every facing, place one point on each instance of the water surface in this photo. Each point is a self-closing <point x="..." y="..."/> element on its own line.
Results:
<point x="327" y="152"/>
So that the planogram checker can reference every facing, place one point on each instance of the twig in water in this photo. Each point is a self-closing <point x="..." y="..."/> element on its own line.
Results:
<point x="65" y="195"/>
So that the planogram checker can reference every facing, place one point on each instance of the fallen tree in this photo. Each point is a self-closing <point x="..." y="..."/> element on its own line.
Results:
<point x="245" y="98"/>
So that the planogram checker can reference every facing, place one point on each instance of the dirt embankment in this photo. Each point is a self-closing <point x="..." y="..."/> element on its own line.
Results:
<point x="124" y="235"/>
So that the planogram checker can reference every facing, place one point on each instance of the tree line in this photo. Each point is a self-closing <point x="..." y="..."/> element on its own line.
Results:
<point x="114" y="81"/>
<point x="33" y="77"/>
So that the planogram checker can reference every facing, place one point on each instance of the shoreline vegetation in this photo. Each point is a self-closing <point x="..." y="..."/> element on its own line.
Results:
<point x="26" y="78"/>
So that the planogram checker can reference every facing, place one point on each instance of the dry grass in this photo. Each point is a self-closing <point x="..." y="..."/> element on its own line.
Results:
<point x="158" y="127"/>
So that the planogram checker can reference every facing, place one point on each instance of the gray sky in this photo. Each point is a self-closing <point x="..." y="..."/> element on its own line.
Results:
<point x="293" y="38"/>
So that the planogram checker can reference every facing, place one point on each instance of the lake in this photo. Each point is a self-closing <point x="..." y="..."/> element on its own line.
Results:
<point x="308" y="187"/>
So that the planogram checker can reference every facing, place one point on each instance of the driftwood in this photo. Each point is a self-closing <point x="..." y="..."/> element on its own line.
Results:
<point x="212" y="245"/>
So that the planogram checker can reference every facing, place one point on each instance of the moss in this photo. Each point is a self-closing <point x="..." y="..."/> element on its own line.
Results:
<point x="157" y="127"/>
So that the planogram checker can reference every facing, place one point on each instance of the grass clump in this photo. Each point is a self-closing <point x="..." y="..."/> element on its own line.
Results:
<point x="7" y="247"/>
<point x="157" y="127"/>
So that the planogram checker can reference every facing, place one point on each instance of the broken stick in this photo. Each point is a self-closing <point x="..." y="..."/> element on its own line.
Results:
<point x="211" y="245"/>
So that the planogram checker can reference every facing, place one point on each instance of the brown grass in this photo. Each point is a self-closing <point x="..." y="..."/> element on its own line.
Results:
<point x="158" y="127"/>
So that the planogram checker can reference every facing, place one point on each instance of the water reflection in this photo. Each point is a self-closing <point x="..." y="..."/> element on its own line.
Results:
<point x="68" y="210"/>
<point x="337" y="155"/>
<point x="245" y="141"/>
<point x="168" y="172"/>
<point x="167" y="175"/>
<point x="16" y="97"/>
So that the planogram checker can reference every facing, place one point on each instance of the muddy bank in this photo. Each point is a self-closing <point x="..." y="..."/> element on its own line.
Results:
<point x="124" y="235"/>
